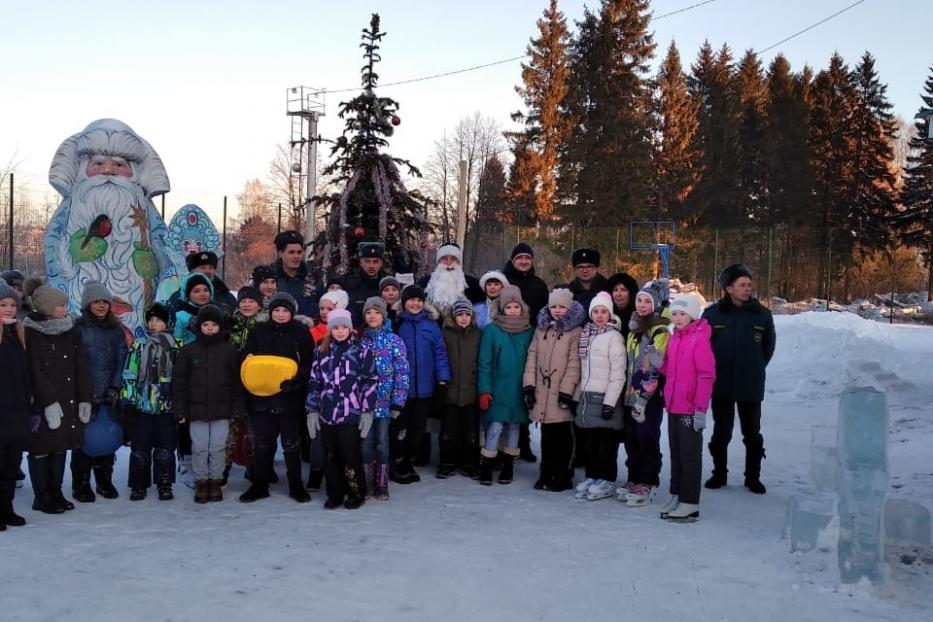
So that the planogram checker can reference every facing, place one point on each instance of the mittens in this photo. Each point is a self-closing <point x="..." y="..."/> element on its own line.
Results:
<point x="528" y="397"/>
<point x="699" y="421"/>
<point x="366" y="422"/>
<point x="314" y="424"/>
<point x="608" y="411"/>
<point x="53" y="415"/>
<point x="84" y="412"/>
<point x="485" y="399"/>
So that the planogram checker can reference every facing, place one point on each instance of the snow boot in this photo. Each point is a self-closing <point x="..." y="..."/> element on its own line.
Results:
<point x="333" y="503"/>
<point x="40" y="473"/>
<point x="255" y="492"/>
<point x="81" y="487"/>
<point x="544" y="476"/>
<point x="382" y="482"/>
<point x="507" y="472"/>
<point x="582" y="489"/>
<point x="201" y="491"/>
<point x="369" y="473"/>
<point x="485" y="471"/>
<point x="315" y="477"/>
<point x="165" y="492"/>
<point x="446" y="471"/>
<point x="754" y="452"/>
<point x="226" y="477"/>
<point x="103" y="477"/>
<point x="720" y="461"/>
<point x="137" y="494"/>
<point x="600" y="489"/>
<point x="640" y="496"/>
<point x="10" y="518"/>
<point x="214" y="490"/>
<point x="296" y="491"/>
<point x="399" y="472"/>
<point x="353" y="502"/>
<point x="561" y="482"/>
<point x="58" y="476"/>
<point x="684" y="513"/>
<point x="669" y="506"/>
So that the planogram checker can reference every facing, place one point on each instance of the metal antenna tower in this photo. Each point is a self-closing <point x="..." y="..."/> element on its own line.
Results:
<point x="305" y="106"/>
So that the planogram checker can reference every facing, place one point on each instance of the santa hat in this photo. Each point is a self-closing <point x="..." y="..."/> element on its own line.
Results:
<point x="450" y="249"/>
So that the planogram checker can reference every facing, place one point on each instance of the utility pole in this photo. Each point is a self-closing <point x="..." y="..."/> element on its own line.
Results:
<point x="305" y="106"/>
<point x="10" y="221"/>
<point x="461" y="204"/>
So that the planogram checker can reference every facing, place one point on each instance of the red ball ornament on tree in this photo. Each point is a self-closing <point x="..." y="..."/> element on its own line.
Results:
<point x="359" y="232"/>
<point x="395" y="119"/>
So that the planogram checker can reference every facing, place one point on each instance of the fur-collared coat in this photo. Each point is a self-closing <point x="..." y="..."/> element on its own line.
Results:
<point x="553" y="363"/>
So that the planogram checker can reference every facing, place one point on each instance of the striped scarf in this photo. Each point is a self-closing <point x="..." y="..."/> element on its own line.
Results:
<point x="590" y="331"/>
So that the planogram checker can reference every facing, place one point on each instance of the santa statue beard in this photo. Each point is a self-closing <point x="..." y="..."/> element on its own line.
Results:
<point x="114" y="197"/>
<point x="445" y="287"/>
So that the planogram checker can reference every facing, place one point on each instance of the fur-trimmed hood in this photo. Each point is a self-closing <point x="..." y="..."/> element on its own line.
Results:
<point x="575" y="316"/>
<point x="431" y="310"/>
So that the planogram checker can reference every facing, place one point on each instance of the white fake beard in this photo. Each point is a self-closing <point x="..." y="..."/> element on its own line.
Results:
<point x="115" y="197"/>
<point x="445" y="287"/>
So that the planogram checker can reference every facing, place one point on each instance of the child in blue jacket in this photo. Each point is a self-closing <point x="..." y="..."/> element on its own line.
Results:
<point x="428" y="366"/>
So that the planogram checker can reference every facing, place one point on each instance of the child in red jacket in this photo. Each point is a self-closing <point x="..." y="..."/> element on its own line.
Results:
<point x="690" y="369"/>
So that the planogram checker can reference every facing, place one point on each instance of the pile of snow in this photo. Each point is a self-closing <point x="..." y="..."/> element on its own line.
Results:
<point x="459" y="551"/>
<point x="907" y="307"/>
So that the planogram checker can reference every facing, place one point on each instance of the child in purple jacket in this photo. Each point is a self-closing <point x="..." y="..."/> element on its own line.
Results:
<point x="341" y="399"/>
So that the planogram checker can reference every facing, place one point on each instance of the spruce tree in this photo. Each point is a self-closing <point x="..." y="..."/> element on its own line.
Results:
<point x="675" y="158"/>
<point x="752" y="100"/>
<point x="606" y="166"/>
<point x="872" y="190"/>
<point x="717" y="198"/>
<point x="374" y="203"/>
<point x="544" y="79"/>
<point x="915" y="223"/>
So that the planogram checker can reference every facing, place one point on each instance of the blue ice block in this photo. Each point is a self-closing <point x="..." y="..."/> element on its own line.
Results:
<point x="863" y="428"/>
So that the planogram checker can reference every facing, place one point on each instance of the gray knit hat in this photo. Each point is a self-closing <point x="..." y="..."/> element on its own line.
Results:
<point x="510" y="293"/>
<point x="94" y="291"/>
<point x="377" y="303"/>
<point x="45" y="298"/>
<point x="6" y="291"/>
<point x="560" y="297"/>
<point x="386" y="281"/>
<point x="462" y="305"/>
<point x="657" y="289"/>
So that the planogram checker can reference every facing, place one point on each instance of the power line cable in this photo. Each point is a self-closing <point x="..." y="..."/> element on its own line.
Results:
<point x="504" y="60"/>
<point x="810" y="27"/>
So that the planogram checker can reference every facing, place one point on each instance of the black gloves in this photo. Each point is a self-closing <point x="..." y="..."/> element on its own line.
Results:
<point x="608" y="412"/>
<point x="565" y="401"/>
<point x="528" y="397"/>
<point x="290" y="385"/>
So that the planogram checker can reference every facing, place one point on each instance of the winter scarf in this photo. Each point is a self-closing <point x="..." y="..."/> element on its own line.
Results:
<point x="574" y="317"/>
<point x="242" y="326"/>
<point x="155" y="359"/>
<point x="512" y="323"/>
<point x="590" y="331"/>
<point x="48" y="326"/>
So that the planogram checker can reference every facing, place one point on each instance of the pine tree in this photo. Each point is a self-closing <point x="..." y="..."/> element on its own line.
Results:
<point x="832" y="141"/>
<point x="675" y="159"/>
<point x="546" y="129"/>
<point x="374" y="203"/>
<point x="521" y="191"/>
<point x="717" y="198"/>
<point x="606" y="166"/>
<point x="915" y="224"/>
<point x="872" y="190"/>
<point x="752" y="96"/>
<point x="785" y="152"/>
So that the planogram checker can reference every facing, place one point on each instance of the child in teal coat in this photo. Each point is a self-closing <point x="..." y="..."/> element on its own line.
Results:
<point x="502" y="352"/>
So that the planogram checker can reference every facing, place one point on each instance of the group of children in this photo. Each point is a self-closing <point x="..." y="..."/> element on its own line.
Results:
<point x="362" y="394"/>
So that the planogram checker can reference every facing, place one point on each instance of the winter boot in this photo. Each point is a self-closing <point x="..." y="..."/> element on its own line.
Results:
<point x="226" y="477"/>
<point x="137" y="494"/>
<point x="720" y="461"/>
<point x="333" y="503"/>
<point x="10" y="518"/>
<point x="103" y="476"/>
<point x="485" y="471"/>
<point x="296" y="491"/>
<point x="382" y="482"/>
<point x="446" y="471"/>
<point x="400" y="472"/>
<point x="58" y="476"/>
<point x="165" y="492"/>
<point x="369" y="472"/>
<point x="201" y="491"/>
<point x="508" y="465"/>
<point x="315" y="477"/>
<point x="684" y="513"/>
<point x="255" y="492"/>
<point x="544" y="476"/>
<point x="561" y="482"/>
<point x="40" y="473"/>
<point x="214" y="490"/>
<point x="754" y="452"/>
<point x="353" y="502"/>
<point x="81" y="487"/>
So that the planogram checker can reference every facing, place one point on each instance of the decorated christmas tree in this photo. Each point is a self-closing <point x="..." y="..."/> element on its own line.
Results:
<point x="374" y="204"/>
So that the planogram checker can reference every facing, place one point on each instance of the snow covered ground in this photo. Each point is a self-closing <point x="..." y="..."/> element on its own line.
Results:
<point x="454" y="550"/>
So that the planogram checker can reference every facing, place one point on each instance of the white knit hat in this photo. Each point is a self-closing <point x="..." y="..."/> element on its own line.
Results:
<point x="688" y="303"/>
<point x="339" y="297"/>
<point x="602" y="299"/>
<point x="493" y="275"/>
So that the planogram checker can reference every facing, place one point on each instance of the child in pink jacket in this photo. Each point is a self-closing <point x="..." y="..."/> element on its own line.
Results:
<point x="690" y="369"/>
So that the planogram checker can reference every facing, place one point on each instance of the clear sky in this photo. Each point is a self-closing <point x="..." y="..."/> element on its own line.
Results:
<point x="204" y="81"/>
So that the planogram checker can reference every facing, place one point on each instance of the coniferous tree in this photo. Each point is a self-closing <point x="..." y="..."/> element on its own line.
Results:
<point x="521" y="191"/>
<point x="374" y="203"/>
<point x="752" y="96"/>
<point x="544" y="80"/>
<point x="915" y="224"/>
<point x="872" y="190"/>
<point x="606" y="167"/>
<point x="675" y="158"/>
<point x="785" y="152"/>
<point x="717" y="197"/>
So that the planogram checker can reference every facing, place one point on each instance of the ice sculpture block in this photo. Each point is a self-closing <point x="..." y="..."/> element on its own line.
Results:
<point x="862" y="483"/>
<point x="824" y="458"/>
<point x="907" y="522"/>
<point x="810" y="522"/>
